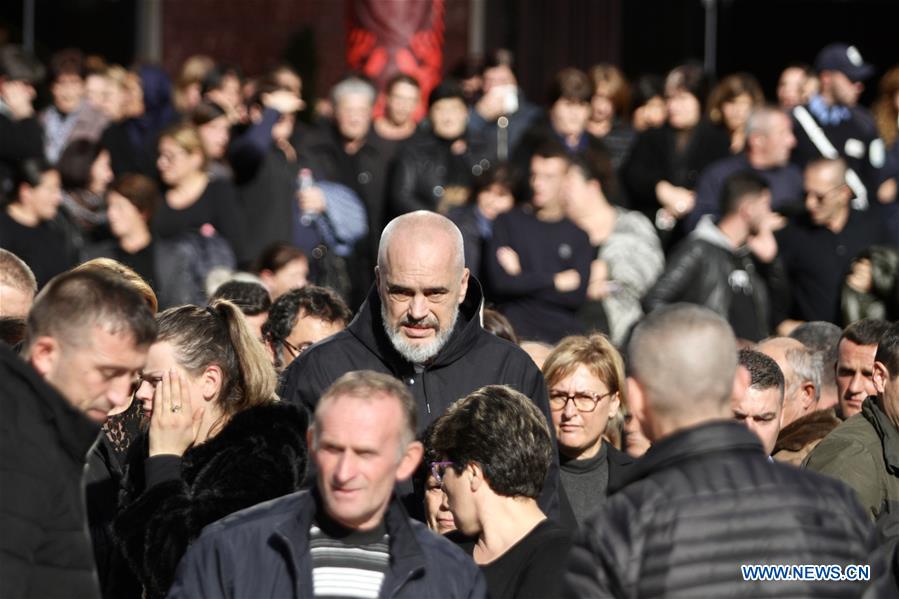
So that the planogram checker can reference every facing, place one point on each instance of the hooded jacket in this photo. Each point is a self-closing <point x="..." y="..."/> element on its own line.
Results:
<point x="264" y="552"/>
<point x="471" y="359"/>
<point x="707" y="270"/>
<point x="45" y="550"/>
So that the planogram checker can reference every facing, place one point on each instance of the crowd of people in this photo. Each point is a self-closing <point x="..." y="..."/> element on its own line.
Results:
<point x="626" y="343"/>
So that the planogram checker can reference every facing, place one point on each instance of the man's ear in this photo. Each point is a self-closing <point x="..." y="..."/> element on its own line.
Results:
<point x="881" y="376"/>
<point x="463" y="287"/>
<point x="637" y="406"/>
<point x="808" y="395"/>
<point x="44" y="355"/>
<point x="477" y="476"/>
<point x="410" y="460"/>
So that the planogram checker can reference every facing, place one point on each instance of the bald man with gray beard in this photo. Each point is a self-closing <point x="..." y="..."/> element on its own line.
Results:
<point x="421" y="324"/>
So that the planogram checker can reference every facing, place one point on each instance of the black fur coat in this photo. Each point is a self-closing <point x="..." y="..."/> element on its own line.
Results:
<point x="259" y="455"/>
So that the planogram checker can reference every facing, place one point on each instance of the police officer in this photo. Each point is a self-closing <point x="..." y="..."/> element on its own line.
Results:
<point x="831" y="125"/>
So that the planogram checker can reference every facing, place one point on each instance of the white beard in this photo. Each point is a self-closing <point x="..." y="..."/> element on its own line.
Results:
<point x="418" y="353"/>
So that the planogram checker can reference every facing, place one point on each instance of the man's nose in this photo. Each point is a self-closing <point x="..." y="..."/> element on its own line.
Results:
<point x="418" y="307"/>
<point x="119" y="393"/>
<point x="346" y="468"/>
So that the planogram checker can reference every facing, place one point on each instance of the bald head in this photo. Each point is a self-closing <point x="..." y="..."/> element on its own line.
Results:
<point x="832" y="170"/>
<point x="684" y="357"/>
<point x="422" y="232"/>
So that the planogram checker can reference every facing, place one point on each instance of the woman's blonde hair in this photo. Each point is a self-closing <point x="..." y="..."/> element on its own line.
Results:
<point x="220" y="335"/>
<point x="595" y="352"/>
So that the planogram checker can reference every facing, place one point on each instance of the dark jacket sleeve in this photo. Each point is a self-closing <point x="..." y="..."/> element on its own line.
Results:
<point x="205" y="571"/>
<point x="26" y="501"/>
<point x="645" y="167"/>
<point x="229" y="221"/>
<point x="247" y="151"/>
<point x="502" y="283"/>
<point x="20" y="139"/>
<point x="682" y="271"/>
<point x="155" y="528"/>
<point x="582" y="259"/>
<point x="599" y="558"/>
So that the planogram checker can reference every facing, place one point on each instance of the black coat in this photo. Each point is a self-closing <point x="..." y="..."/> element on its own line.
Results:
<point x="45" y="550"/>
<point x="259" y="455"/>
<point x="705" y="270"/>
<point x="264" y="552"/>
<point x="471" y="359"/>
<point x="426" y="168"/>
<point x="706" y="500"/>
<point x="656" y="156"/>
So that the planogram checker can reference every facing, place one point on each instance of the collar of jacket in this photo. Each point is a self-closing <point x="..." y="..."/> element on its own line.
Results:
<point x="708" y="231"/>
<point x="368" y="328"/>
<point x="886" y="430"/>
<point x="406" y="554"/>
<point x="75" y="431"/>
<point x="719" y="436"/>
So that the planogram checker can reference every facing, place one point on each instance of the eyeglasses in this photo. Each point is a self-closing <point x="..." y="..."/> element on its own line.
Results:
<point x="438" y="469"/>
<point x="820" y="197"/>
<point x="584" y="401"/>
<point x="295" y="350"/>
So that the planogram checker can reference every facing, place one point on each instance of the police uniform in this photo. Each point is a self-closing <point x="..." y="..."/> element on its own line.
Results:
<point x="847" y="132"/>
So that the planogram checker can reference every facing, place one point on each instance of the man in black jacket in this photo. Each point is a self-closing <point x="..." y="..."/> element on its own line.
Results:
<point x="422" y="324"/>
<point x="347" y="537"/>
<point x="730" y="266"/>
<point x="705" y="504"/>
<point x="87" y="339"/>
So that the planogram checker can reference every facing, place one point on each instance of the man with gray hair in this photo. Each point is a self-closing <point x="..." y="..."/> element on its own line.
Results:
<point x="692" y="511"/>
<point x="348" y="151"/>
<point x="422" y="324"/>
<point x="803" y="424"/>
<point x="347" y="536"/>
<point x="769" y="140"/>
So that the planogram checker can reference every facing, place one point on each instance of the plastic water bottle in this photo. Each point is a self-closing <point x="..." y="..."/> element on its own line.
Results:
<point x="305" y="180"/>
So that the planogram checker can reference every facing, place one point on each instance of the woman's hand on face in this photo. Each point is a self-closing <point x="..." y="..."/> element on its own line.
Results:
<point x="175" y="422"/>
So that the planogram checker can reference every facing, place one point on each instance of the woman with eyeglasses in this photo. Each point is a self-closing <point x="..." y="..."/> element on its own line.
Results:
<point x="493" y="451"/>
<point x="218" y="440"/>
<point x="585" y="378"/>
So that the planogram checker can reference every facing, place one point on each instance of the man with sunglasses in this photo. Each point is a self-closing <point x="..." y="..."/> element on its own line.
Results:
<point x="818" y="247"/>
